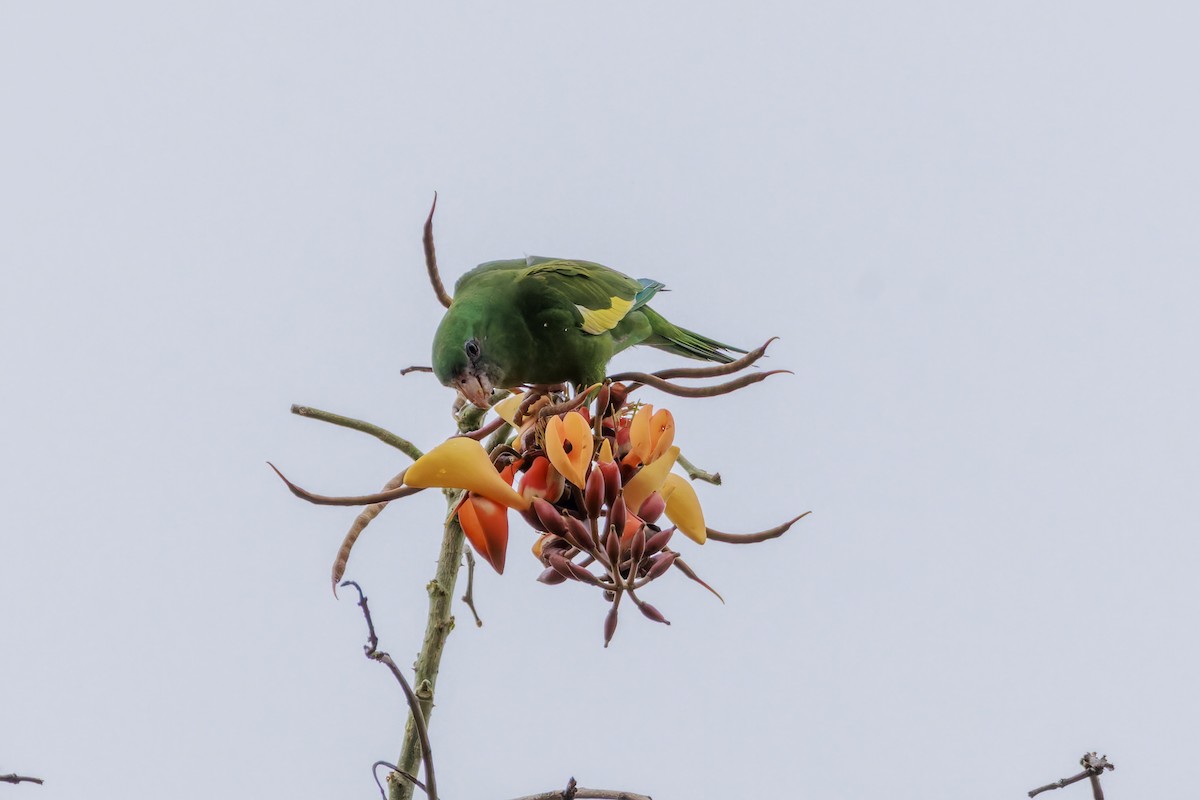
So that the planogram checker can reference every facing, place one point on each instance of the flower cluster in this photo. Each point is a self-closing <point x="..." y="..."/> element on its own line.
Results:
<point x="595" y="482"/>
<point x="592" y="474"/>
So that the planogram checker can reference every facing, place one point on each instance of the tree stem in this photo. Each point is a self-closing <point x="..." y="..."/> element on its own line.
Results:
<point x="437" y="628"/>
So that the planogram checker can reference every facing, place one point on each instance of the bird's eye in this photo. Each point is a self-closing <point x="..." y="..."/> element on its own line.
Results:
<point x="472" y="348"/>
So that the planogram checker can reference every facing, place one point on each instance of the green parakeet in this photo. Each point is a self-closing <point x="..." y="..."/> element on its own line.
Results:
<point x="549" y="320"/>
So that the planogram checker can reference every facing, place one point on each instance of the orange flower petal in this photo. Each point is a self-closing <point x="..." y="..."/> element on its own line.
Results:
<point x="462" y="463"/>
<point x="662" y="433"/>
<point x="542" y="480"/>
<point x="485" y="524"/>
<point x="574" y="430"/>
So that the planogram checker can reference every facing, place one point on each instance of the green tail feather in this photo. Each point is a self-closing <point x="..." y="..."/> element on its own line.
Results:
<point x="683" y="342"/>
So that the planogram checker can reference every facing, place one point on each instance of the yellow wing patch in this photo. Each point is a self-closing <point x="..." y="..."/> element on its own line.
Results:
<point x="599" y="320"/>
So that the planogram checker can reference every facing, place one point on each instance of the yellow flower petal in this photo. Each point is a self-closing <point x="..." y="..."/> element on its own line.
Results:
<point x="650" y="478"/>
<point x="571" y="429"/>
<point x="462" y="463"/>
<point x="683" y="508"/>
<point x="507" y="408"/>
<point x="605" y="456"/>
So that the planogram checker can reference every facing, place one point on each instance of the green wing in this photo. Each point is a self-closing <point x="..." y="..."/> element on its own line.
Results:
<point x="601" y="297"/>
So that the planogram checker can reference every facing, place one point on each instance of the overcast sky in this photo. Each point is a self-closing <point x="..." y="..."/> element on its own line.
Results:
<point x="973" y="225"/>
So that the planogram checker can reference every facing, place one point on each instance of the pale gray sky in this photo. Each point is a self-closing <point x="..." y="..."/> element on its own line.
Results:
<point x="973" y="226"/>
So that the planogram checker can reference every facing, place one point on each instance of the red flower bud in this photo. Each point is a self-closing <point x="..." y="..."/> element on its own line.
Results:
<point x="572" y="570"/>
<point x="603" y="398"/>
<point x="612" y="547"/>
<point x="558" y="563"/>
<point x="610" y="625"/>
<point x="580" y="534"/>
<point x="550" y="517"/>
<point x="637" y="545"/>
<point x="612" y="480"/>
<point x="617" y="514"/>
<point x="653" y="613"/>
<point x="593" y="494"/>
<point x="551" y="577"/>
<point x="659" y="564"/>
<point x="657" y="541"/>
<point x="652" y="507"/>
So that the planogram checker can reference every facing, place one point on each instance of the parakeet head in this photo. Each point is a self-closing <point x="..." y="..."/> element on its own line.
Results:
<point x="461" y="359"/>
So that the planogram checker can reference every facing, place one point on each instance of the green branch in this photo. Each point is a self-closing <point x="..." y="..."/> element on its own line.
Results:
<point x="382" y="434"/>
<point x="437" y="626"/>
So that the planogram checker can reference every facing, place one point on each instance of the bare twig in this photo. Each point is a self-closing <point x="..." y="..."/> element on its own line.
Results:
<point x="15" y="778"/>
<point x="360" y="522"/>
<point x="415" y="368"/>
<point x="435" y="277"/>
<point x="371" y="651"/>
<point x="469" y="597"/>
<point x="761" y="536"/>
<point x="573" y="792"/>
<point x="385" y="436"/>
<point x="656" y="382"/>
<point x="1060" y="783"/>
<point x="1093" y="767"/>
<point x="360" y="500"/>
<point x="697" y="474"/>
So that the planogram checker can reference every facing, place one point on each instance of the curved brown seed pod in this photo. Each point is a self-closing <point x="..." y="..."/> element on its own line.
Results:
<point x="361" y="500"/>
<point x="698" y="391"/>
<point x="720" y="369"/>
<point x="761" y="536"/>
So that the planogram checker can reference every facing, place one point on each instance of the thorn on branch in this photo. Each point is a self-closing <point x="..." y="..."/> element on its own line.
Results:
<point x="394" y="771"/>
<point x="435" y="277"/>
<point x="697" y="474"/>
<point x="469" y="597"/>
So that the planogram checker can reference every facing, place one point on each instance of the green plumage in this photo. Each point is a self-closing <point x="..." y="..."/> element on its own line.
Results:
<point x="541" y="320"/>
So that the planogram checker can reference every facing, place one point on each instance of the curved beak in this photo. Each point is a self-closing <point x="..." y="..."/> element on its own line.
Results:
<point x="476" y="388"/>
